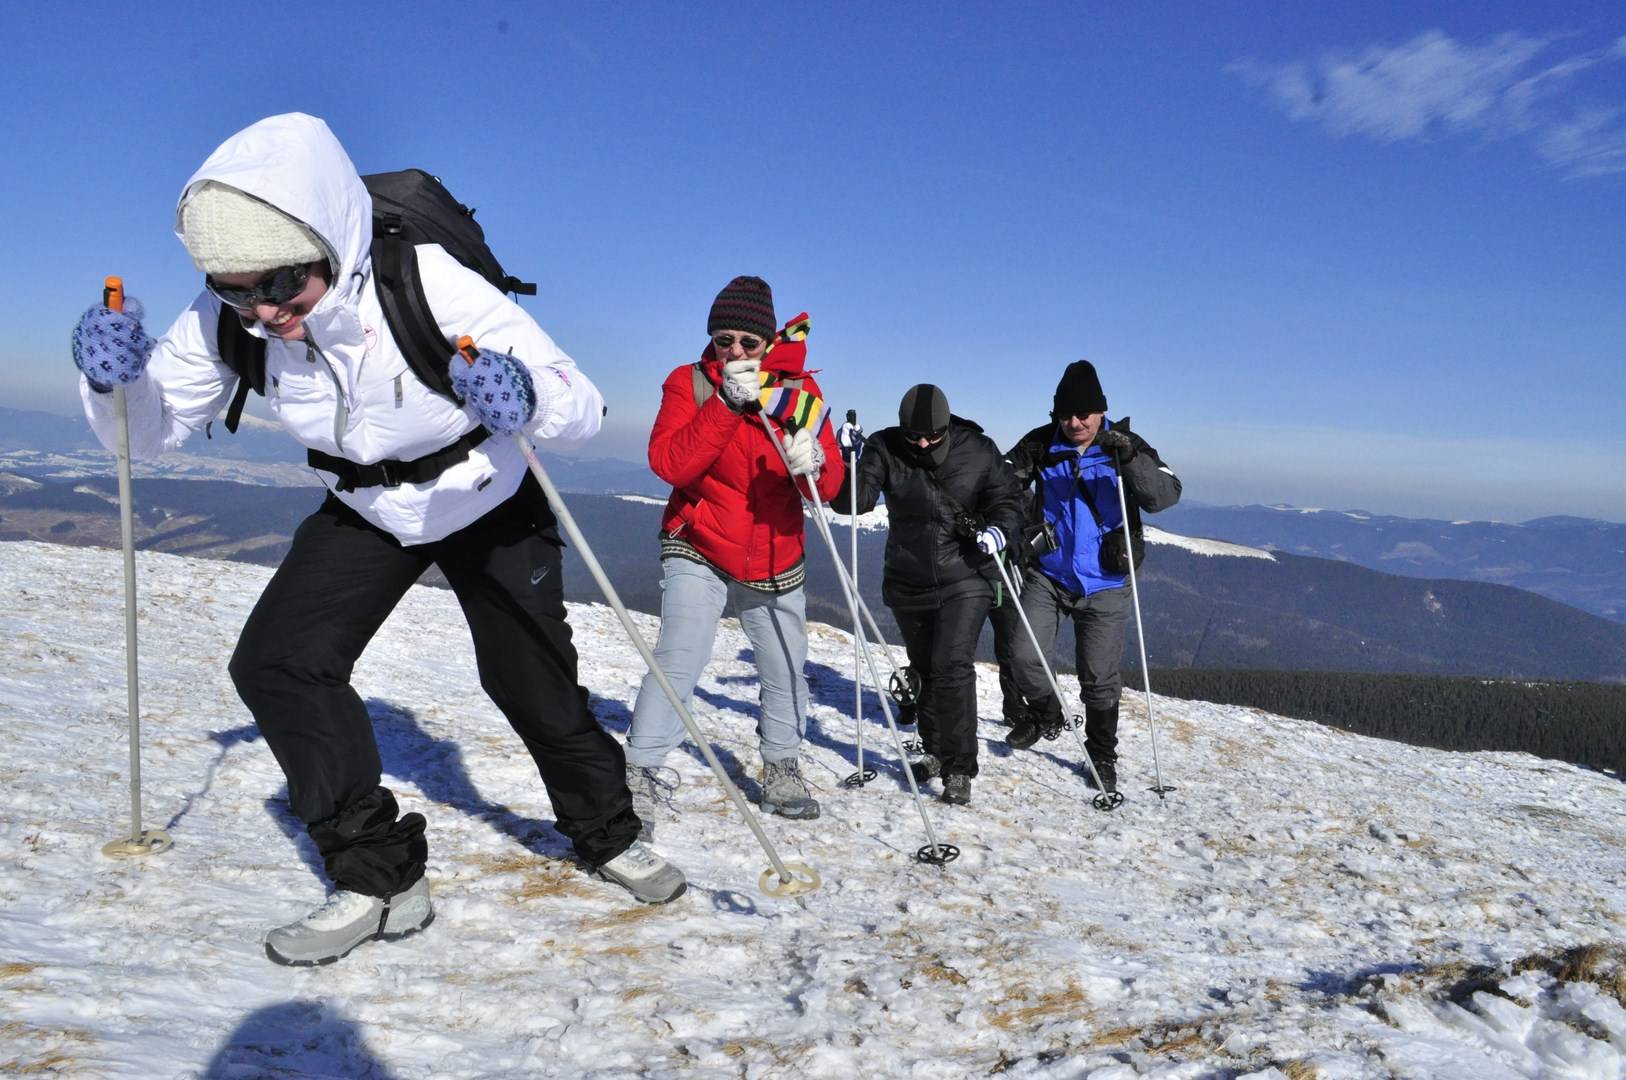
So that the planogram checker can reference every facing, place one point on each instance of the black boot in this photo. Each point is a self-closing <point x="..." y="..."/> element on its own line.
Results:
<point x="1107" y="770"/>
<point x="1042" y="720"/>
<point x="1101" y="733"/>
<point x="1101" y="743"/>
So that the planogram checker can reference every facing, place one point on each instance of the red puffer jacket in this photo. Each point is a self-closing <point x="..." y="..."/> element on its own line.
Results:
<point x="731" y="496"/>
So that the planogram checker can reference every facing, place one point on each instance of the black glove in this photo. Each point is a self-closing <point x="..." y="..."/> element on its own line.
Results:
<point x="1117" y="445"/>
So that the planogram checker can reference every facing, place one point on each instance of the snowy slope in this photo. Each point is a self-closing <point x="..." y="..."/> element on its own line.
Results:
<point x="1307" y="903"/>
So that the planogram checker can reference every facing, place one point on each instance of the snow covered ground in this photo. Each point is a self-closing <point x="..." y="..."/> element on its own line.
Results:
<point x="1306" y="904"/>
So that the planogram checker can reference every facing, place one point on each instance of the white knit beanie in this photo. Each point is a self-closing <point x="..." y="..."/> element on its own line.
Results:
<point x="228" y="232"/>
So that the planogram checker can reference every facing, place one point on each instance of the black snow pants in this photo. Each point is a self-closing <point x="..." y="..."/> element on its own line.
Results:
<point x="942" y="647"/>
<point x="339" y="581"/>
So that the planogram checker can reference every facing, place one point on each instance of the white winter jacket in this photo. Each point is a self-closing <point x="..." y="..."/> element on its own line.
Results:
<point x="352" y="394"/>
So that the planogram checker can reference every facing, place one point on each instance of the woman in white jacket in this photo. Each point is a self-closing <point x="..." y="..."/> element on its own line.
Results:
<point x="281" y="224"/>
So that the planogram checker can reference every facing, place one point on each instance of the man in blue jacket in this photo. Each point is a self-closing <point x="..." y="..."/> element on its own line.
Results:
<point x="1076" y="464"/>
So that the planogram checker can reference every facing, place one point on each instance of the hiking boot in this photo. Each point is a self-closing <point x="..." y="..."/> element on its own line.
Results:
<point x="926" y="768"/>
<point x="957" y="789"/>
<point x="1023" y="734"/>
<point x="644" y="874"/>
<point x="651" y="797"/>
<point x="1044" y="721"/>
<point x="348" y="919"/>
<point x="1107" y="769"/>
<point x="785" y="791"/>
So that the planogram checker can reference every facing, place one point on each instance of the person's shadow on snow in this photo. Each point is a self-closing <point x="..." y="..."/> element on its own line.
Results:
<point x="436" y="767"/>
<point x="304" y="1038"/>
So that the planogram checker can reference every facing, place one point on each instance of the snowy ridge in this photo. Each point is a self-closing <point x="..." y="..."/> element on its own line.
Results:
<point x="1307" y="903"/>
<point x="1202" y="546"/>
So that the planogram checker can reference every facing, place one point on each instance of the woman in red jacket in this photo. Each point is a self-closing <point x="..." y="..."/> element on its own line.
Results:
<point x="732" y="536"/>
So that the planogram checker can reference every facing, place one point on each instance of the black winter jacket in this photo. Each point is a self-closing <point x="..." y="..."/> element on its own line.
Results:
<point x="934" y="514"/>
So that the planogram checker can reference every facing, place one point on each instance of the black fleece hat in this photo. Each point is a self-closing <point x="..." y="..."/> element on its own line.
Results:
<point x="746" y="303"/>
<point x="925" y="408"/>
<point x="1079" y="393"/>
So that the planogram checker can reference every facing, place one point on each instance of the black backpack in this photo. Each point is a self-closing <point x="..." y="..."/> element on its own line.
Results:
<point x="409" y="207"/>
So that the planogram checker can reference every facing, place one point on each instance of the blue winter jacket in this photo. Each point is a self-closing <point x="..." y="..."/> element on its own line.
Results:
<point x="1064" y="476"/>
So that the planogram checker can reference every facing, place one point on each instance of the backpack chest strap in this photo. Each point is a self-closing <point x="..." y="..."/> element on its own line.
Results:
<point x="392" y="474"/>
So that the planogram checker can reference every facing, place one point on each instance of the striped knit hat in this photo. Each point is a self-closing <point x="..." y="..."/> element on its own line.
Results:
<point x="746" y="303"/>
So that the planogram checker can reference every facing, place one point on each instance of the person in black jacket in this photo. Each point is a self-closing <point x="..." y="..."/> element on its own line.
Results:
<point x="952" y="505"/>
<point x="1077" y="463"/>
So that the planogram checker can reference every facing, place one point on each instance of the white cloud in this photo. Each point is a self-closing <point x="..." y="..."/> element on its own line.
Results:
<point x="1436" y="85"/>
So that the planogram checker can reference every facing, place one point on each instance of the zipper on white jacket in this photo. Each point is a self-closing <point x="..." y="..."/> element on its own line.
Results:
<point x="341" y="409"/>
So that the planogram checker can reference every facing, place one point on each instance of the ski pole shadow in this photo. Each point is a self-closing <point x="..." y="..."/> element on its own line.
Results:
<point x="225" y="740"/>
<point x="309" y="1037"/>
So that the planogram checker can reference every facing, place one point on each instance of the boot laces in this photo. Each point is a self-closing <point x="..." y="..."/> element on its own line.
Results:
<point x="662" y="782"/>
<point x="639" y="858"/>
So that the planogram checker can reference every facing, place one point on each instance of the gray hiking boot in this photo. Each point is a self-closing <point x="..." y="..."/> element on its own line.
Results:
<point x="349" y="919"/>
<point x="785" y="791"/>
<point x="651" y="797"/>
<point x="645" y="874"/>
<point x="957" y="789"/>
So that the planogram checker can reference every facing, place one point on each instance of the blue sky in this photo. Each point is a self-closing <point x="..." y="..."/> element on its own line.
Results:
<point x="1335" y="255"/>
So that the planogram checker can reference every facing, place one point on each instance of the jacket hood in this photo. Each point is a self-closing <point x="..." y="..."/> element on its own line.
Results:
<point x="294" y="163"/>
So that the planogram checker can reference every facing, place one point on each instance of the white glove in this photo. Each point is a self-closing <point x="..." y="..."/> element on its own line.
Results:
<point x="991" y="540"/>
<point x="741" y="383"/>
<point x="803" y="453"/>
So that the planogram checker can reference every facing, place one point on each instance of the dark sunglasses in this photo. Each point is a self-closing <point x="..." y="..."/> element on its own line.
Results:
<point x="724" y="342"/>
<point x="932" y="437"/>
<point x="277" y="288"/>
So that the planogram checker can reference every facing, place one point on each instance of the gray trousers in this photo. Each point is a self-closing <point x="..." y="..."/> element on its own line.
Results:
<point x="1099" y="622"/>
<point x="693" y="598"/>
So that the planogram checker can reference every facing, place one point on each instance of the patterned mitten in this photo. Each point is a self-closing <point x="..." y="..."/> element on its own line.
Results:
<point x="498" y="389"/>
<point x="110" y="347"/>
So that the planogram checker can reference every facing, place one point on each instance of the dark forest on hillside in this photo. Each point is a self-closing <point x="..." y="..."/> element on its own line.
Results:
<point x="1579" y="722"/>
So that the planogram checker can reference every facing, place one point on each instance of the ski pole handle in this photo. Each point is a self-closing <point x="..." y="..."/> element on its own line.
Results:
<point x="113" y="293"/>
<point x="466" y="349"/>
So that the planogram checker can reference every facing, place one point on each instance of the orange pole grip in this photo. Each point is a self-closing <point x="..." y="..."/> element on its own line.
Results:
<point x="113" y="293"/>
<point x="466" y="349"/>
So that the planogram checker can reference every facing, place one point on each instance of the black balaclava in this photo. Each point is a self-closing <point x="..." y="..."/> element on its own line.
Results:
<point x="1079" y="393"/>
<point x="926" y="408"/>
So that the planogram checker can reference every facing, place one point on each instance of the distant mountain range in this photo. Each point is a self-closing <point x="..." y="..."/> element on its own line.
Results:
<point x="1206" y="604"/>
<point x="1577" y="561"/>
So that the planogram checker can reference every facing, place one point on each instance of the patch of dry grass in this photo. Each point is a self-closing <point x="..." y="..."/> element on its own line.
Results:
<point x="624" y="917"/>
<point x="540" y="878"/>
<point x="1070" y="1002"/>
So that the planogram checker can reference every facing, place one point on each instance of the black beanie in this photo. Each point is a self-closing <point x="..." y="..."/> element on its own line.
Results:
<point x="1079" y="393"/>
<point x="925" y="408"/>
<point x="746" y="303"/>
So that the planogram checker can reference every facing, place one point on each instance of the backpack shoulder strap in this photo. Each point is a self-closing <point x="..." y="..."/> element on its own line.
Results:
<point x="406" y="307"/>
<point x="244" y="354"/>
<point x="702" y="385"/>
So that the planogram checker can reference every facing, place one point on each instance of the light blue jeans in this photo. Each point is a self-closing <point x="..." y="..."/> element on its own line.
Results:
<point x="693" y="597"/>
